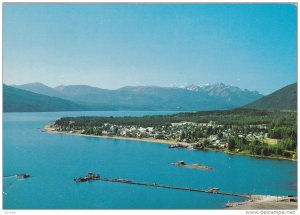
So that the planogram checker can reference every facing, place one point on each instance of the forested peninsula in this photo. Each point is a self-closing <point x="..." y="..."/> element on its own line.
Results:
<point x="261" y="133"/>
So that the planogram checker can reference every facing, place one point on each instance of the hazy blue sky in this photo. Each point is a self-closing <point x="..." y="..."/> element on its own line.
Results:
<point x="110" y="46"/>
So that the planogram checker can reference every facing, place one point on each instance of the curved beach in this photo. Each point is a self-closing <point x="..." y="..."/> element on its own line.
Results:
<point x="49" y="129"/>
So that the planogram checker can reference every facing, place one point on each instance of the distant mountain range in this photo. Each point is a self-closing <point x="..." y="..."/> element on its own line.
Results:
<point x="82" y="97"/>
<point x="282" y="99"/>
<point x="39" y="97"/>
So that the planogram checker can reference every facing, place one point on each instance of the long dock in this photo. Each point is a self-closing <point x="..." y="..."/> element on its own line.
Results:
<point x="210" y="191"/>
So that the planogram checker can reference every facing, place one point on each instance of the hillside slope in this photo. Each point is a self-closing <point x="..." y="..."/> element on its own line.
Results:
<point x="282" y="99"/>
<point x="17" y="100"/>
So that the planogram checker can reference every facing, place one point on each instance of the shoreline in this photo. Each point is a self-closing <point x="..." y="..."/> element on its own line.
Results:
<point x="264" y="202"/>
<point x="48" y="129"/>
<point x="252" y="202"/>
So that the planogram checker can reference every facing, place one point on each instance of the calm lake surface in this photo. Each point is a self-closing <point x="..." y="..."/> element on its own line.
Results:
<point x="55" y="159"/>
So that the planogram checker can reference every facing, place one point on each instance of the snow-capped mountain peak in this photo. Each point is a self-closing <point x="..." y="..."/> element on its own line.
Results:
<point x="221" y="90"/>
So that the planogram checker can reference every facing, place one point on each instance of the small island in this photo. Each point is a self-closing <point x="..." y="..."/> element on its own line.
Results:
<point x="195" y="165"/>
<point x="259" y="133"/>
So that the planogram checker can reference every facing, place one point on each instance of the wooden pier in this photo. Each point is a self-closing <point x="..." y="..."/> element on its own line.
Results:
<point x="209" y="191"/>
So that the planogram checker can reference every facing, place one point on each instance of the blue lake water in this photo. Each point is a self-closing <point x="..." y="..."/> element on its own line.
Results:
<point x="55" y="159"/>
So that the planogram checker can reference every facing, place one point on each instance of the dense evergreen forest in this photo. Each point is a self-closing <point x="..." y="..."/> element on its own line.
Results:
<point x="245" y="131"/>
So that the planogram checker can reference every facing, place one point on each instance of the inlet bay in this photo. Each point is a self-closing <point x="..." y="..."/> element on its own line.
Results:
<point x="55" y="159"/>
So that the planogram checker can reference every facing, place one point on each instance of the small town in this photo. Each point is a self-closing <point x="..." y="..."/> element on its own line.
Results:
<point x="185" y="134"/>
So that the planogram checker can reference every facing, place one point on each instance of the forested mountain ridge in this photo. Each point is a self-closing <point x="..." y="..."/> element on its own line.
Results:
<point x="282" y="99"/>
<point x="149" y="98"/>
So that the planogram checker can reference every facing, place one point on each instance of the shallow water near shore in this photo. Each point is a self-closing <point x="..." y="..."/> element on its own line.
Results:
<point x="55" y="159"/>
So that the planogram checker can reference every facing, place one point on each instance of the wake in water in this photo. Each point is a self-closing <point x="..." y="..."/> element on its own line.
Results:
<point x="8" y="182"/>
<point x="9" y="176"/>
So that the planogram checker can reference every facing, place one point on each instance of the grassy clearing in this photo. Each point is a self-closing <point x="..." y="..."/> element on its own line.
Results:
<point x="271" y="141"/>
